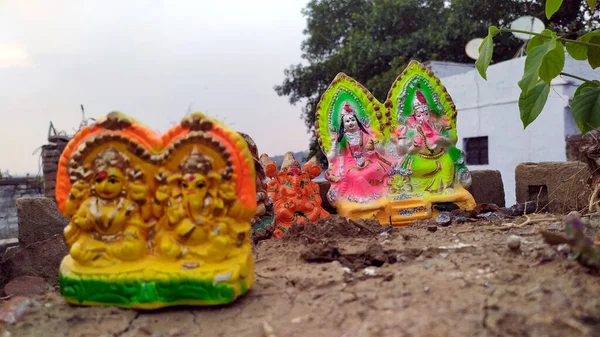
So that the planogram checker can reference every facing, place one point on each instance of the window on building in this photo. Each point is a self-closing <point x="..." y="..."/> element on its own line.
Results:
<point x="476" y="149"/>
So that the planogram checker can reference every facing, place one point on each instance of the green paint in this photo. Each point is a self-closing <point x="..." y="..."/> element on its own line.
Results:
<point x="332" y="102"/>
<point x="128" y="293"/>
<point x="410" y="95"/>
<point x="264" y="222"/>
<point x="454" y="153"/>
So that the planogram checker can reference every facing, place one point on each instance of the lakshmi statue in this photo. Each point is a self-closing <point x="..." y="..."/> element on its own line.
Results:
<point x="156" y="220"/>
<point x="296" y="197"/>
<point x="107" y="226"/>
<point x="357" y="172"/>
<point x="394" y="161"/>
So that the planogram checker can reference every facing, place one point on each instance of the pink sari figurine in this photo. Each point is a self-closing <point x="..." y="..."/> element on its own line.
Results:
<point x="357" y="172"/>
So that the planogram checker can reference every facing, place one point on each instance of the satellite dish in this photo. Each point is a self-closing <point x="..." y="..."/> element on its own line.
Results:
<point x="472" y="48"/>
<point x="528" y="24"/>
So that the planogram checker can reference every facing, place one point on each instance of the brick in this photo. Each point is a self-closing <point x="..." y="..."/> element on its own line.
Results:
<point x="556" y="187"/>
<point x="50" y="167"/>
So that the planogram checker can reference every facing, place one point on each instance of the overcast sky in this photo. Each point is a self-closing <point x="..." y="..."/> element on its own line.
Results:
<point x="149" y="59"/>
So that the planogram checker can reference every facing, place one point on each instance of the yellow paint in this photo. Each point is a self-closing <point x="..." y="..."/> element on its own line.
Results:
<point x="387" y="211"/>
<point x="137" y="218"/>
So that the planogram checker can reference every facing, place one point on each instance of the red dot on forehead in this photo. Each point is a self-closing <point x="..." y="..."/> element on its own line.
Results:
<point x="101" y="175"/>
<point x="191" y="177"/>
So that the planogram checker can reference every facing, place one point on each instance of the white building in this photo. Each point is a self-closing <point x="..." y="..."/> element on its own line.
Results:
<point x="489" y="126"/>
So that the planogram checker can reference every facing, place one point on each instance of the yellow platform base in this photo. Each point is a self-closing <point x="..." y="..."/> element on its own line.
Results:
<point x="156" y="282"/>
<point x="402" y="209"/>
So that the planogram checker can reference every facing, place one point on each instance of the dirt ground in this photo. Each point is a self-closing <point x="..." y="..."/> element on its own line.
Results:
<point x="345" y="279"/>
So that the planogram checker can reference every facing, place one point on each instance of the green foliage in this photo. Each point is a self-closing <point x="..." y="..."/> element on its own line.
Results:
<point x="586" y="108"/>
<point x="532" y="102"/>
<point x="373" y="40"/>
<point x="485" y="52"/>
<point x="545" y="61"/>
<point x="552" y="7"/>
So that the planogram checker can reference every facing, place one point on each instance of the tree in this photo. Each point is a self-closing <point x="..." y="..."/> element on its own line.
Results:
<point x="544" y="62"/>
<point x="373" y="41"/>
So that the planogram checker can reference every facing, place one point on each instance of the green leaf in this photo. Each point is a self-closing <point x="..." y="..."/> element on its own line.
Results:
<point x="537" y="40"/>
<point x="534" y="61"/>
<point x="592" y="4"/>
<point x="593" y="54"/>
<point x="577" y="51"/>
<point x="586" y="108"/>
<point x="594" y="83"/>
<point x="552" y="6"/>
<point x="552" y="63"/>
<point x="486" y="50"/>
<point x="532" y="102"/>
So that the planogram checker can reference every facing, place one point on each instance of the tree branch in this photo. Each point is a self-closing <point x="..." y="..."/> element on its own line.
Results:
<point x="506" y="30"/>
<point x="575" y="77"/>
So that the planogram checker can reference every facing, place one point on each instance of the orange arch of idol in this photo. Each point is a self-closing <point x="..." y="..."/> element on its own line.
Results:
<point x="240" y="156"/>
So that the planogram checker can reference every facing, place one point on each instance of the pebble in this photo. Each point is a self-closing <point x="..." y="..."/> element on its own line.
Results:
<point x="491" y="216"/>
<point x="432" y="228"/>
<point x="427" y="265"/>
<point x="385" y="229"/>
<point x="444" y="218"/>
<point x="564" y="248"/>
<point x="426" y="289"/>
<point x="461" y="219"/>
<point x="513" y="242"/>
<point x="370" y="271"/>
<point x="444" y="255"/>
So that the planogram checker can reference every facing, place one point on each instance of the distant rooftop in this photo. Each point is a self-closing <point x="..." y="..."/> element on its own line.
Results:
<point x="444" y="69"/>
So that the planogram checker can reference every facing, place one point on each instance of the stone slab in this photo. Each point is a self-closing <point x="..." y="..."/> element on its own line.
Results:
<point x="40" y="259"/>
<point x="39" y="219"/>
<point x="487" y="187"/>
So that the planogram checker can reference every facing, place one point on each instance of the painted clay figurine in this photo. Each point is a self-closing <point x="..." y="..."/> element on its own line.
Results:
<point x="393" y="161"/>
<point x="295" y="195"/>
<point x="156" y="220"/>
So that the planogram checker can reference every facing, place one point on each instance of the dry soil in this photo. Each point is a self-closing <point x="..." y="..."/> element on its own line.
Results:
<point x="341" y="278"/>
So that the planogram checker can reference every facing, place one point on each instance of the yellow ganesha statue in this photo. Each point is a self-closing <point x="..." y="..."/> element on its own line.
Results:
<point x="156" y="220"/>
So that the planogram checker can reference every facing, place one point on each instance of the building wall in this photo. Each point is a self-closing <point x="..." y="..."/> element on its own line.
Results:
<point x="10" y="190"/>
<point x="490" y="108"/>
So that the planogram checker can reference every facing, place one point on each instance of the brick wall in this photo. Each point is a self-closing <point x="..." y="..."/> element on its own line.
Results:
<point x="10" y="190"/>
<point x="50" y="155"/>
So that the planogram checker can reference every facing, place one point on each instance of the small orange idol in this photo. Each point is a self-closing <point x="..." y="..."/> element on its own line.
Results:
<point x="295" y="195"/>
